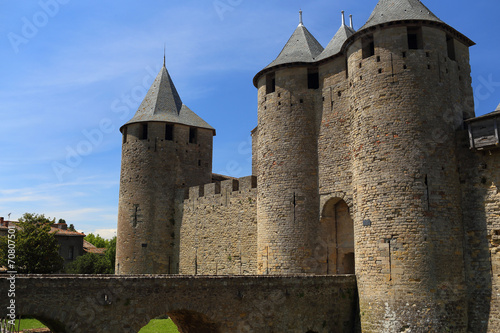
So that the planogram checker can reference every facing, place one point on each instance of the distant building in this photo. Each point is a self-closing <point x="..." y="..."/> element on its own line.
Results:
<point x="70" y="242"/>
<point x="91" y="248"/>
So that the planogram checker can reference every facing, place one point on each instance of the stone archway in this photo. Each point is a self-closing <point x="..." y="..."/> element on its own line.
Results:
<point x="192" y="322"/>
<point x="337" y="237"/>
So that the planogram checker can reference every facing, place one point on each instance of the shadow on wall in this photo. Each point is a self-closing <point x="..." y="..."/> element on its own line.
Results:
<point x="190" y="321"/>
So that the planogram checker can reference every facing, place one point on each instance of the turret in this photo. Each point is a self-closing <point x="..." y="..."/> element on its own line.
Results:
<point x="334" y="248"/>
<point x="289" y="101"/>
<point x="166" y="146"/>
<point x="410" y="89"/>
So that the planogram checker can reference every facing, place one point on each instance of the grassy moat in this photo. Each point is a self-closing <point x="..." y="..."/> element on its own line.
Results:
<point x="154" y="326"/>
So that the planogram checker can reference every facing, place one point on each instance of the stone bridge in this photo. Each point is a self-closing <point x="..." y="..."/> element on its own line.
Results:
<point x="197" y="304"/>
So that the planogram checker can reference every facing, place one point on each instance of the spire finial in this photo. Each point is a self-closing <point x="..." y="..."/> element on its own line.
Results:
<point x="343" y="18"/>
<point x="164" y="55"/>
<point x="300" y="15"/>
<point x="350" y="21"/>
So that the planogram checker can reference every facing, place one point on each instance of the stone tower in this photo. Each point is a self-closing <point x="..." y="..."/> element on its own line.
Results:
<point x="287" y="202"/>
<point x="410" y="90"/>
<point x="166" y="146"/>
<point x="357" y="164"/>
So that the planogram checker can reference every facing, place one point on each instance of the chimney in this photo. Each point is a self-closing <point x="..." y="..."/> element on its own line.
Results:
<point x="62" y="226"/>
<point x="343" y="18"/>
<point x="350" y="19"/>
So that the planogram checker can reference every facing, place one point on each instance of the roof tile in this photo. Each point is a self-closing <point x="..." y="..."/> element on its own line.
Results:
<point x="397" y="10"/>
<point x="162" y="103"/>
<point x="301" y="47"/>
<point x="337" y="41"/>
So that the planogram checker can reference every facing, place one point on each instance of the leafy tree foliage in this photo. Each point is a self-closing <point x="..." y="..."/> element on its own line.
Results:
<point x="90" y="263"/>
<point x="111" y="252"/>
<point x="97" y="240"/>
<point x="37" y="250"/>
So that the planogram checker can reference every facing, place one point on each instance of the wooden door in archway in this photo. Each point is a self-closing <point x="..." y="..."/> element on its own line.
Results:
<point x="337" y="234"/>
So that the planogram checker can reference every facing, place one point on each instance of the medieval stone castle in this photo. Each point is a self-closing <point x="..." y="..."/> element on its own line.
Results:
<point x="368" y="159"/>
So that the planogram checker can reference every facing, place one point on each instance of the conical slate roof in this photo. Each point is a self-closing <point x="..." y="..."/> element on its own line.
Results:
<point x="498" y="108"/>
<point x="398" y="10"/>
<point x="337" y="41"/>
<point x="162" y="103"/>
<point x="301" y="47"/>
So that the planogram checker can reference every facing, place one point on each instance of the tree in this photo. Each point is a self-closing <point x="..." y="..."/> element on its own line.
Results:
<point x="37" y="250"/>
<point x="90" y="263"/>
<point x="71" y="227"/>
<point x="97" y="240"/>
<point x="111" y="252"/>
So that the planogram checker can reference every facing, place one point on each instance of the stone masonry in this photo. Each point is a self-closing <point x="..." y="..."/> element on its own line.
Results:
<point x="125" y="304"/>
<point x="219" y="228"/>
<point x="368" y="159"/>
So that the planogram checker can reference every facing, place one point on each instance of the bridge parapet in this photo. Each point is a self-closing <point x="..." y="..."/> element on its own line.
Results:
<point x="90" y="303"/>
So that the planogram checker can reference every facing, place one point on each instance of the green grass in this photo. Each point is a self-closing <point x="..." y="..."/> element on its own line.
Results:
<point x="160" y="326"/>
<point x="29" y="323"/>
<point x="154" y="326"/>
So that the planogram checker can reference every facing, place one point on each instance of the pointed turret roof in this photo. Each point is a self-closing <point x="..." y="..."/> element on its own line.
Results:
<point x="162" y="103"/>
<point x="338" y="40"/>
<point x="408" y="10"/>
<point x="301" y="47"/>
<point x="397" y="10"/>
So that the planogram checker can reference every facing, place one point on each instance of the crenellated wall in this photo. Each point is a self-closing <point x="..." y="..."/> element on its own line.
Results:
<point x="218" y="228"/>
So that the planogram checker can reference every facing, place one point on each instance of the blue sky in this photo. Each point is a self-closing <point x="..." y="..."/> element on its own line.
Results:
<point x="72" y="72"/>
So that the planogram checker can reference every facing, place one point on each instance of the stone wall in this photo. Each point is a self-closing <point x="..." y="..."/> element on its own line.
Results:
<point x="218" y="228"/>
<point x="492" y="205"/>
<point x="103" y="304"/>
<point x="480" y="180"/>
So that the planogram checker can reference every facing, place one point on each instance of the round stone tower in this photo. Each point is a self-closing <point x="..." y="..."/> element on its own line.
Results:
<point x="410" y="89"/>
<point x="166" y="146"/>
<point x="287" y="203"/>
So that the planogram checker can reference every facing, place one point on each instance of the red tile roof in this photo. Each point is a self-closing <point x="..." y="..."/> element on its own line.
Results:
<point x="91" y="248"/>
<point x="53" y="229"/>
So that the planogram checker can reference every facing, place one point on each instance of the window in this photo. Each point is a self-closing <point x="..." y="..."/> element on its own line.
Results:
<point x="450" y="42"/>
<point x="312" y="78"/>
<point x="193" y="135"/>
<point x="71" y="253"/>
<point x="415" y="38"/>
<point x="169" y="132"/>
<point x="125" y="134"/>
<point x="270" y="83"/>
<point x="368" y="46"/>
<point x="144" y="131"/>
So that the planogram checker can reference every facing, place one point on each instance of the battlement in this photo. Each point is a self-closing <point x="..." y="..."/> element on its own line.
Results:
<point x="219" y="228"/>
<point x="244" y="184"/>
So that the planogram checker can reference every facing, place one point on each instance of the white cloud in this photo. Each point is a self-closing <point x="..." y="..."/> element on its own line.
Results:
<point x="105" y="233"/>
